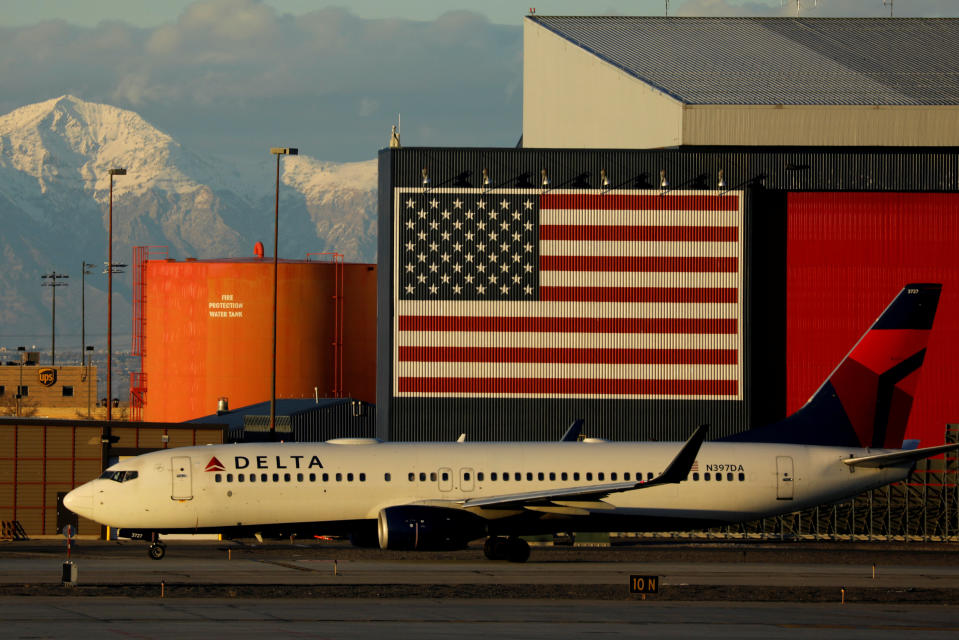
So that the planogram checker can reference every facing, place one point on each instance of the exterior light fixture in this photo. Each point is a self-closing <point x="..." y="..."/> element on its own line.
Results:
<point x="544" y="179"/>
<point x="486" y="181"/>
<point x="662" y="179"/>
<point x="603" y="179"/>
<point x="722" y="180"/>
<point x="426" y="178"/>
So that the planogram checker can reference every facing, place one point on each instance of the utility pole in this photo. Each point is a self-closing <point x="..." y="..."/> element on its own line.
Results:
<point x="53" y="284"/>
<point x="84" y="272"/>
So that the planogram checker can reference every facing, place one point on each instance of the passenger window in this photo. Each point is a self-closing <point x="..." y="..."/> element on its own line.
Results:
<point x="229" y="477"/>
<point x="299" y="477"/>
<point x="349" y="477"/>
<point x="563" y="476"/>
<point x="626" y="476"/>
<point x="576" y="476"/>
<point x="218" y="478"/>
<point x="466" y="476"/>
<point x="480" y="476"/>
<point x="432" y="476"/>
<point x="742" y="477"/>
<point x="729" y="476"/>
<point x="411" y="476"/>
<point x="612" y="476"/>
<point x="339" y="477"/>
<point x="506" y="476"/>
<point x="446" y="476"/>
<point x="492" y="476"/>
<point x="529" y="476"/>
<point x="649" y="475"/>
<point x="422" y="476"/>
<point x="719" y="477"/>
<point x="386" y="476"/>
<point x="263" y="477"/>
<point x="552" y="475"/>
<point x="589" y="475"/>
<point x="276" y="477"/>
<point x="286" y="477"/>
<point x="517" y="476"/>
<point x="326" y="477"/>
<point x="539" y="476"/>
<point x="362" y="477"/>
<point x="696" y="476"/>
<point x="240" y="477"/>
<point x="601" y="476"/>
<point x="252" y="477"/>
<point x="312" y="477"/>
<point x="706" y="476"/>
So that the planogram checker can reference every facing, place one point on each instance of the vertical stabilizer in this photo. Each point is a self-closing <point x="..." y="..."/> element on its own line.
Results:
<point x="866" y="400"/>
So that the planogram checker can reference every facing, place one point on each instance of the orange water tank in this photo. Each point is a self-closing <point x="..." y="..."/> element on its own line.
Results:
<point x="206" y="333"/>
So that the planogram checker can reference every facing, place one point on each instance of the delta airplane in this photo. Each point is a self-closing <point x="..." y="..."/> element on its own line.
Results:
<point x="845" y="440"/>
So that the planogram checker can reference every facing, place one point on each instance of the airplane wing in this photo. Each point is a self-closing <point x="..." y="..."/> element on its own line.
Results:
<point x="676" y="472"/>
<point x="898" y="457"/>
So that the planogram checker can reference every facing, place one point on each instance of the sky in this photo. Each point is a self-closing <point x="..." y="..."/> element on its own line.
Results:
<point x="232" y="78"/>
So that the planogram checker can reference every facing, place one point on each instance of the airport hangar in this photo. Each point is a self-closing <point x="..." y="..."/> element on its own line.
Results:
<point x="826" y="149"/>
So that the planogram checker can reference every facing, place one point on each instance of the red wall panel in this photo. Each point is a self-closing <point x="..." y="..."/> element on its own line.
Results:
<point x="848" y="254"/>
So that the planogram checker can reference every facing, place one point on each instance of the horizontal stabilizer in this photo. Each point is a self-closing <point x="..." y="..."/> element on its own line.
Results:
<point x="899" y="457"/>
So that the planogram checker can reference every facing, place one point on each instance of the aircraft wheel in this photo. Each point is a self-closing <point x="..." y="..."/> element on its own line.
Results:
<point x="157" y="551"/>
<point x="495" y="548"/>
<point x="517" y="550"/>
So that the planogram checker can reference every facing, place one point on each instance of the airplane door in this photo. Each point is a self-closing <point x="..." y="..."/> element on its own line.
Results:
<point x="445" y="479"/>
<point x="784" y="478"/>
<point x="182" y="481"/>
<point x="466" y="479"/>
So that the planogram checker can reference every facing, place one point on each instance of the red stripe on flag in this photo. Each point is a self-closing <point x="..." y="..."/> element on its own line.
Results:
<point x="638" y="294"/>
<point x="654" y="202"/>
<point x="568" y="355"/>
<point x="567" y="325"/>
<point x="568" y="386"/>
<point x="637" y="264"/>
<point x="615" y="233"/>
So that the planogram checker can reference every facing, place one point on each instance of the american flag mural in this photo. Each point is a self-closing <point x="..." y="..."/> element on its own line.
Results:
<point x="568" y="293"/>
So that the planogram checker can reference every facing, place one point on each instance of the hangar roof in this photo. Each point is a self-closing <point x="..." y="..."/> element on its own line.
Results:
<point x="770" y="61"/>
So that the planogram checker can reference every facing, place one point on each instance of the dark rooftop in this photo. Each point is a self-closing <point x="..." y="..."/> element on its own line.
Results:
<point x="768" y="61"/>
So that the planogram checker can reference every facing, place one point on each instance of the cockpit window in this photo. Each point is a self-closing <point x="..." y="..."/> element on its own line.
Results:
<point x="119" y="476"/>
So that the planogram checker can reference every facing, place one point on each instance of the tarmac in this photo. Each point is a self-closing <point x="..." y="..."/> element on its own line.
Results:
<point x="332" y="590"/>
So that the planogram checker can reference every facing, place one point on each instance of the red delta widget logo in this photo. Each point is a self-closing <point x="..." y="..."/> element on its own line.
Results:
<point x="215" y="465"/>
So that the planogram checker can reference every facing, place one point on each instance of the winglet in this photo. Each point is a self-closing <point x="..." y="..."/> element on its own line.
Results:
<point x="572" y="434"/>
<point x="682" y="464"/>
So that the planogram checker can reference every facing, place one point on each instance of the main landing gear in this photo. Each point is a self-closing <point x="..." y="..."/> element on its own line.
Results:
<point x="512" y="549"/>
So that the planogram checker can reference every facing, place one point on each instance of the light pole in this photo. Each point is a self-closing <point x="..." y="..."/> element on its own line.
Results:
<point x="86" y="360"/>
<point x="84" y="272"/>
<point x="53" y="276"/>
<point x="21" y="351"/>
<point x="277" y="151"/>
<point x="111" y="268"/>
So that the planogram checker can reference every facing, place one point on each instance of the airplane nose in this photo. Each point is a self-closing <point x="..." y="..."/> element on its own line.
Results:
<point x="80" y="501"/>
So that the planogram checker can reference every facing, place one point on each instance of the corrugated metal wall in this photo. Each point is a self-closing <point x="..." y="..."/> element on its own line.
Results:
<point x="346" y="419"/>
<point x="765" y="178"/>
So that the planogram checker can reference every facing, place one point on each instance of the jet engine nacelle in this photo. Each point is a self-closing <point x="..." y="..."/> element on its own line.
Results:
<point x="424" y="528"/>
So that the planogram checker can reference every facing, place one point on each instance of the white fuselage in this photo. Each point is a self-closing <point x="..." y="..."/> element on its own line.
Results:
<point x="248" y="485"/>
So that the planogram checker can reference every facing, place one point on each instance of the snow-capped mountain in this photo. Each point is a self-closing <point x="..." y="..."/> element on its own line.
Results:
<point x="54" y="202"/>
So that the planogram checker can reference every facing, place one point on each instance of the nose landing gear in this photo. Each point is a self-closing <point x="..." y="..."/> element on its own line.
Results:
<point x="157" y="551"/>
<point x="513" y="549"/>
